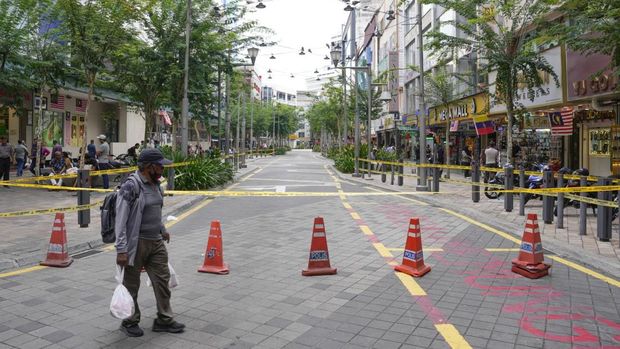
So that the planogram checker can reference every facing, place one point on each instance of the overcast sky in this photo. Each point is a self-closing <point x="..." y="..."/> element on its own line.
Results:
<point x="297" y="23"/>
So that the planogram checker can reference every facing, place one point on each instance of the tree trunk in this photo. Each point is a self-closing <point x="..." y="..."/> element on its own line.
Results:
<point x="39" y="135"/>
<point x="91" y="84"/>
<point x="510" y="113"/>
<point x="447" y="152"/>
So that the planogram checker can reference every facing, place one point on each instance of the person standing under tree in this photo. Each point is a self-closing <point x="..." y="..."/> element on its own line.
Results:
<point x="103" y="157"/>
<point x="21" y="154"/>
<point x="140" y="236"/>
<point x="490" y="158"/>
<point x="7" y="156"/>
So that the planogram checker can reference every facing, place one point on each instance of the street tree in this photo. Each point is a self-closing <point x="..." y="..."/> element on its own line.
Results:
<point x="496" y="31"/>
<point x="95" y="30"/>
<point x="593" y="27"/>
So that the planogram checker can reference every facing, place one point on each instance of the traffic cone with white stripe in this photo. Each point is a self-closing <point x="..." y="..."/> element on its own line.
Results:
<point x="214" y="255"/>
<point x="413" y="256"/>
<point x="318" y="262"/>
<point x="530" y="262"/>
<point x="57" y="252"/>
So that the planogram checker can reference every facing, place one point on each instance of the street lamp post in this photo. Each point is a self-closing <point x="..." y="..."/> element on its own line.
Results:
<point x="422" y="185"/>
<point x="336" y="55"/>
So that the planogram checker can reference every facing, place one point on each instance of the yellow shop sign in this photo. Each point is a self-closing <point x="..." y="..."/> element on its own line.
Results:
<point x="462" y="109"/>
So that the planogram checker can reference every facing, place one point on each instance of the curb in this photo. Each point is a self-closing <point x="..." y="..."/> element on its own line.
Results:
<point x="35" y="257"/>
<point x="585" y="258"/>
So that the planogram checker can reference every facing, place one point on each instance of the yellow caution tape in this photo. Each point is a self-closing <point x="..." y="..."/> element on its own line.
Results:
<point x="46" y="211"/>
<point x="593" y="201"/>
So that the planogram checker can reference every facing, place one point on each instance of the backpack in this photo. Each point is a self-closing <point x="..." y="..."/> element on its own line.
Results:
<point x="108" y="214"/>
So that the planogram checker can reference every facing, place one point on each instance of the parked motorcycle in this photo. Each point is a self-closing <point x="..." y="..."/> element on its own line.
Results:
<point x="498" y="179"/>
<point x="574" y="183"/>
<point x="535" y="182"/>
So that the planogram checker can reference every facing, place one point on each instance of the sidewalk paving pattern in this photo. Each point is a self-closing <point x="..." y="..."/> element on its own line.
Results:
<point x="471" y="299"/>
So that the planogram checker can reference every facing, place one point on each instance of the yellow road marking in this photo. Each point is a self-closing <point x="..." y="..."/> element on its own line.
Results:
<point x="108" y="248"/>
<point x="366" y="230"/>
<point x="570" y="264"/>
<point x="410" y="284"/>
<point x="452" y="336"/>
<point x="382" y="250"/>
<point x="189" y="212"/>
<point x="355" y="215"/>
<point x="484" y="226"/>
<point x="502" y="249"/>
<point x="586" y="270"/>
<point x="347" y="205"/>
<point x="401" y="197"/>
<point x="22" y="271"/>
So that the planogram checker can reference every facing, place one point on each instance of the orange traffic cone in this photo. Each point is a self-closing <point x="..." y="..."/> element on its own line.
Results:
<point x="214" y="255"/>
<point x="318" y="262"/>
<point x="413" y="257"/>
<point x="530" y="262"/>
<point x="57" y="252"/>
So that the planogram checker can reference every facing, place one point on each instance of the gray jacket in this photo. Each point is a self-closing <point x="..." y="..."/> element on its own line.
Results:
<point x="129" y="208"/>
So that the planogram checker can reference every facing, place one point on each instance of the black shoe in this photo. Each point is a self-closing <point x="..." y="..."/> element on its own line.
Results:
<point x="173" y="327"/>
<point x="132" y="331"/>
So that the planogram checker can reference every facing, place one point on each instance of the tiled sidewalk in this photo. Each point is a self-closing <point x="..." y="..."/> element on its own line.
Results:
<point x="566" y="241"/>
<point x="25" y="239"/>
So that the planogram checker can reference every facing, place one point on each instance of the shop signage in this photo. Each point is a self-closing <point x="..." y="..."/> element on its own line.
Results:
<point x="534" y="122"/>
<point x="460" y="110"/>
<point x="550" y="94"/>
<point x="585" y="76"/>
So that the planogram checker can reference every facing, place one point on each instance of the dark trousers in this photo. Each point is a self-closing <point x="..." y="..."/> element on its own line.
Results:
<point x="5" y="167"/>
<point x="105" y="178"/>
<point x="466" y="173"/>
<point x="151" y="255"/>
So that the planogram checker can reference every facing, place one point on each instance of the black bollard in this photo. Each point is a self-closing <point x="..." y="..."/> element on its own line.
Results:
<point x="548" y="199"/>
<point x="83" y="198"/>
<point x="560" y="205"/>
<point x="522" y="195"/>
<point x="392" y="174"/>
<point x="509" y="185"/>
<point x="475" y="179"/>
<point x="436" y="176"/>
<point x="603" y="213"/>
<point x="401" y="170"/>
<point x="383" y="174"/>
<point x="583" y="207"/>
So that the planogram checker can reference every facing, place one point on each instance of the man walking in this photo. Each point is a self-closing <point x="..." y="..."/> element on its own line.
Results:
<point x="491" y="159"/>
<point x="7" y="154"/>
<point x="103" y="156"/>
<point x="140" y="236"/>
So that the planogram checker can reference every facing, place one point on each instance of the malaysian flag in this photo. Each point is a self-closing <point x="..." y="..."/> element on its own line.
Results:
<point x="562" y="122"/>
<point x="57" y="102"/>
<point x="80" y="105"/>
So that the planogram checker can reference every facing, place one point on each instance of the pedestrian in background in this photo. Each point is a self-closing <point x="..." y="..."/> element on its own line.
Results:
<point x="103" y="159"/>
<point x="490" y="158"/>
<point x="56" y="147"/>
<point x="21" y="154"/>
<point x="466" y="160"/>
<point x="140" y="236"/>
<point x="92" y="149"/>
<point x="42" y="155"/>
<point x="7" y="156"/>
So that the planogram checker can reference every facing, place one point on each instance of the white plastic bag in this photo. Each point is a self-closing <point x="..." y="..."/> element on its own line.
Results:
<point x="121" y="306"/>
<point x="174" y="280"/>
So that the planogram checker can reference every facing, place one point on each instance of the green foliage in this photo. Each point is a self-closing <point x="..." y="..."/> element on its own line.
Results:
<point x="383" y="155"/>
<point x="587" y="17"/>
<point x="281" y="150"/>
<point x="201" y="173"/>
<point x="316" y="148"/>
<point x="344" y="159"/>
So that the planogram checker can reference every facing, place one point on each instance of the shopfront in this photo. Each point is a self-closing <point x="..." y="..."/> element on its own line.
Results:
<point x="594" y="96"/>
<point x="454" y="123"/>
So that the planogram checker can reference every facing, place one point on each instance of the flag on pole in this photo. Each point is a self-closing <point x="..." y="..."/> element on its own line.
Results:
<point x="562" y="122"/>
<point x="484" y="126"/>
<point x="57" y="102"/>
<point x="80" y="105"/>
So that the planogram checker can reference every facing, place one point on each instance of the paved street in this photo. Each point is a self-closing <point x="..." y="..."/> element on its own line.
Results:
<point x="469" y="299"/>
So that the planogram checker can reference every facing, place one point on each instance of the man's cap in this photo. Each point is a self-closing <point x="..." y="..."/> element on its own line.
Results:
<point x="102" y="137"/>
<point x="153" y="156"/>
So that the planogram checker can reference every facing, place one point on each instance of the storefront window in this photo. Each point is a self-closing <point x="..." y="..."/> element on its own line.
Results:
<point x="537" y="146"/>
<point x="53" y="127"/>
<point x="599" y="141"/>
